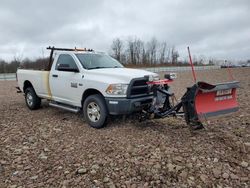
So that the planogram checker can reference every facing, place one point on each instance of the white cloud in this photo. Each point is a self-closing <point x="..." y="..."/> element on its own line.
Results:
<point x="211" y="28"/>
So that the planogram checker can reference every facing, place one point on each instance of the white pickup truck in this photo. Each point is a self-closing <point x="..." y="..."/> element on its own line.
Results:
<point x="87" y="81"/>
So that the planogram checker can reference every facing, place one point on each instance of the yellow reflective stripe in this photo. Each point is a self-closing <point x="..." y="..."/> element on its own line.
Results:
<point x="46" y="82"/>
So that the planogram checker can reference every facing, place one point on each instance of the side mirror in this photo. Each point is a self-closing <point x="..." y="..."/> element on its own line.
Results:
<point x="65" y="67"/>
<point x="170" y="76"/>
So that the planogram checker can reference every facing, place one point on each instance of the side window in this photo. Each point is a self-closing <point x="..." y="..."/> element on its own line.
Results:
<point x="66" y="61"/>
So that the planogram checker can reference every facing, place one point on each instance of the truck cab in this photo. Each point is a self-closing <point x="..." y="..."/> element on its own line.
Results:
<point x="89" y="82"/>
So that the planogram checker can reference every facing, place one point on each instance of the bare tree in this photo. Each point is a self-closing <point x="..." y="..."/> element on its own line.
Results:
<point x="211" y="61"/>
<point x="144" y="55"/>
<point x="168" y="59"/>
<point x="2" y="66"/>
<point x="195" y="60"/>
<point x="131" y="51"/>
<point x="162" y="52"/>
<point x="174" y="55"/>
<point x="202" y="60"/>
<point x="139" y="46"/>
<point x="152" y="48"/>
<point x="117" y="46"/>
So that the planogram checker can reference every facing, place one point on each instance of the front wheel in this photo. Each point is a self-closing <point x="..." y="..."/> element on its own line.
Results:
<point x="32" y="100"/>
<point x="95" y="111"/>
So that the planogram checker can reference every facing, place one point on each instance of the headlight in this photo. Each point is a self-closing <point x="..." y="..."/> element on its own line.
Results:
<point x="153" y="78"/>
<point x="156" y="78"/>
<point x="117" y="89"/>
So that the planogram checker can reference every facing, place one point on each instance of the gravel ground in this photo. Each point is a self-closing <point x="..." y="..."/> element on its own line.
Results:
<point x="54" y="148"/>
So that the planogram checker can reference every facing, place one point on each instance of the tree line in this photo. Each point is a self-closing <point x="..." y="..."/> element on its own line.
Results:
<point x="11" y="67"/>
<point x="130" y="52"/>
<point x="134" y="51"/>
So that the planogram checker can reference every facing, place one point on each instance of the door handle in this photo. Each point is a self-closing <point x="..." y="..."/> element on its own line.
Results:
<point x="55" y="75"/>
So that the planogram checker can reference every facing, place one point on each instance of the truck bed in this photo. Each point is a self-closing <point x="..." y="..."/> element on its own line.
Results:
<point x="39" y="80"/>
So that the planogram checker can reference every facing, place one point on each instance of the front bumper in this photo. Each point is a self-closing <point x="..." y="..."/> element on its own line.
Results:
<point x="119" y="106"/>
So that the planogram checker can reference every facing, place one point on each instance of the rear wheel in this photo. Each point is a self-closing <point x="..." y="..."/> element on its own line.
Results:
<point x="32" y="100"/>
<point x="95" y="111"/>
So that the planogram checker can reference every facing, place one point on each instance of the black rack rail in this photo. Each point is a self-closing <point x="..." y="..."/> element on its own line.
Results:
<point x="63" y="49"/>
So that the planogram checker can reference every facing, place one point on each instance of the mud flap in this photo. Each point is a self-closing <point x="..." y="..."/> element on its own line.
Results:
<point x="204" y="100"/>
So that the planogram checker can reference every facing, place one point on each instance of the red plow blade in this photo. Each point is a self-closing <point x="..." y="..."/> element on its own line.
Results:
<point x="213" y="100"/>
<point x="204" y="100"/>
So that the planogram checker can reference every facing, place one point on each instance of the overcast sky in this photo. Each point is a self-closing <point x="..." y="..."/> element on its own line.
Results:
<point x="213" y="28"/>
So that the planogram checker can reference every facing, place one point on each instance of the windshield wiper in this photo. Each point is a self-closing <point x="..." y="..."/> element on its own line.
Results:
<point x="97" y="67"/>
<point x="103" y="67"/>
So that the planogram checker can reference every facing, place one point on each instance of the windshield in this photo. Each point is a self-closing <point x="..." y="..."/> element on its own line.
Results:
<point x="97" y="61"/>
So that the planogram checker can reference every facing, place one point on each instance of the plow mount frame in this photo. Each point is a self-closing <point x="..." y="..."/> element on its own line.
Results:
<point x="199" y="102"/>
<point x="221" y="98"/>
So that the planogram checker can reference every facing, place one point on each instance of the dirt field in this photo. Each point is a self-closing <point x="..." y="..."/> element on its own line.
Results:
<point x="54" y="148"/>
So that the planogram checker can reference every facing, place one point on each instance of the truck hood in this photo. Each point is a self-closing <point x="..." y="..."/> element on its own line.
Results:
<point x="124" y="75"/>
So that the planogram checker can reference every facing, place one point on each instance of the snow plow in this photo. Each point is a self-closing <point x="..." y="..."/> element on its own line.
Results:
<point x="201" y="101"/>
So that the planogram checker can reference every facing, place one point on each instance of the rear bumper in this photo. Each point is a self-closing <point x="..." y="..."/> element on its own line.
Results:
<point x="119" y="106"/>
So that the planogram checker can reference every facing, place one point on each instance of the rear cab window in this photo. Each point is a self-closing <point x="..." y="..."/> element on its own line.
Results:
<point x="66" y="60"/>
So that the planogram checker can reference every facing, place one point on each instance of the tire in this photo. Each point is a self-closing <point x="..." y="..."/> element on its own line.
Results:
<point x="95" y="111"/>
<point x="32" y="100"/>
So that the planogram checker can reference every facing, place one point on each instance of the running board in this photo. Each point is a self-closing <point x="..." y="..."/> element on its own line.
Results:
<point x="65" y="107"/>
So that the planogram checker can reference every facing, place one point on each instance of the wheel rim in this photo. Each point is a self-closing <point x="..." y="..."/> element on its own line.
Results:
<point x="93" y="112"/>
<point x="29" y="99"/>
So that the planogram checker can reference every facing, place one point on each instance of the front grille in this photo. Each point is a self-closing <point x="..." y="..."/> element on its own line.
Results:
<point x="138" y="88"/>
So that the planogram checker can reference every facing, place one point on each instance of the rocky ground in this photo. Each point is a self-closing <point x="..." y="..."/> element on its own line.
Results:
<point x="53" y="148"/>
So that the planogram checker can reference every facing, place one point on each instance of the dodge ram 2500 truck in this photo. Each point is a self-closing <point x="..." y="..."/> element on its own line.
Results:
<point x="87" y="81"/>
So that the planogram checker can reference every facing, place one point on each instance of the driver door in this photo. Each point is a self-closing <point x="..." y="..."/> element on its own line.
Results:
<point x="64" y="83"/>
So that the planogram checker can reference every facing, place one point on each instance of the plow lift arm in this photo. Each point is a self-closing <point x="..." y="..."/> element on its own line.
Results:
<point x="201" y="101"/>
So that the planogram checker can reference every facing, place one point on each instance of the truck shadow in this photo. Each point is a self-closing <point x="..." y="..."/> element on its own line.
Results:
<point x="161" y="125"/>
